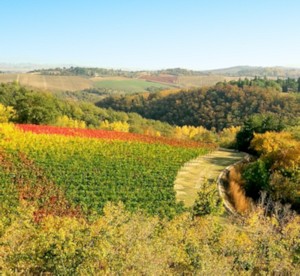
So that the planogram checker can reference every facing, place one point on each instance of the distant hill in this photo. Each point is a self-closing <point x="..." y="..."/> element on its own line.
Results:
<point x="118" y="81"/>
<point x="169" y="75"/>
<point x="104" y="72"/>
<point x="252" y="71"/>
<point x="110" y="82"/>
<point x="100" y="85"/>
<point x="113" y="79"/>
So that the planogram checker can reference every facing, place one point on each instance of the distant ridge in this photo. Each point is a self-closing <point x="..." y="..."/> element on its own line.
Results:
<point x="252" y="71"/>
<point x="72" y="70"/>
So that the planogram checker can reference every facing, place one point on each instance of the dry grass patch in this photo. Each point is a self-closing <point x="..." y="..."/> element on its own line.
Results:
<point x="204" y="168"/>
<point x="52" y="83"/>
<point x="236" y="193"/>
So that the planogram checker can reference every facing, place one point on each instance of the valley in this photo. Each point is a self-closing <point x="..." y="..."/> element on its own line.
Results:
<point x="97" y="171"/>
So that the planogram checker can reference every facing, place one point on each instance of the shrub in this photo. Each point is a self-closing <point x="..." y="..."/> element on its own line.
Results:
<point x="208" y="201"/>
<point x="256" y="176"/>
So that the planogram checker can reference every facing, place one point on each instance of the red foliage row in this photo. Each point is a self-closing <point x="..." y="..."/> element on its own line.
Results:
<point x="111" y="135"/>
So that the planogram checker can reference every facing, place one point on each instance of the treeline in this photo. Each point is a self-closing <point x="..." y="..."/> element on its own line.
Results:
<point x="21" y="105"/>
<point x="238" y="71"/>
<point x="94" y="71"/>
<point x="252" y="71"/>
<point x="284" y="85"/>
<point x="91" y="95"/>
<point x="37" y="107"/>
<point x="180" y="72"/>
<point x="85" y="71"/>
<point x="218" y="107"/>
<point x="276" y="168"/>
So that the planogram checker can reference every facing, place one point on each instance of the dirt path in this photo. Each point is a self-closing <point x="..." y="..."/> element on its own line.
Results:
<point x="193" y="173"/>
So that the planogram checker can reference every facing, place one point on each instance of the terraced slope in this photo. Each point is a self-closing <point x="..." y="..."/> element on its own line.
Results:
<point x="193" y="173"/>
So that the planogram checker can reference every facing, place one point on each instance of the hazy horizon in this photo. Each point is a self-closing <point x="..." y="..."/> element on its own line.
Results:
<point x="36" y="66"/>
<point x="151" y="35"/>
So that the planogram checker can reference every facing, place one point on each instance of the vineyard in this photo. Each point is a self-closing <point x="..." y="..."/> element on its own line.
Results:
<point x="77" y="171"/>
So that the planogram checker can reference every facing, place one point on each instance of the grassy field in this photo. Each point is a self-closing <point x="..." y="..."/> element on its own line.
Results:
<point x="208" y="167"/>
<point x="128" y="85"/>
<point x="51" y="83"/>
<point x="113" y="84"/>
<point x="75" y="83"/>
<point x="200" y="81"/>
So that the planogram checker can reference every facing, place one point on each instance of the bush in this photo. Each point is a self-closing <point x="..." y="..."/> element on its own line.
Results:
<point x="227" y="137"/>
<point x="259" y="123"/>
<point x="65" y="121"/>
<point x="256" y="176"/>
<point x="208" y="201"/>
<point x="7" y="113"/>
<point x="36" y="108"/>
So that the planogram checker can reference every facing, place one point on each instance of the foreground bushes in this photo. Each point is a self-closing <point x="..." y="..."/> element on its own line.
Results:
<point x="126" y="243"/>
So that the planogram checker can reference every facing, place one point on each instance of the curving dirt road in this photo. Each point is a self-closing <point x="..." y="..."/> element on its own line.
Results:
<point x="193" y="173"/>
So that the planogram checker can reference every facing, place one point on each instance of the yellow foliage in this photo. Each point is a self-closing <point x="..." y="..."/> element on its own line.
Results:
<point x="152" y="132"/>
<point x="279" y="148"/>
<point x="116" y="126"/>
<point x="191" y="132"/>
<point x="227" y="137"/>
<point x="121" y="242"/>
<point x="65" y="121"/>
<point x="132" y="243"/>
<point x="6" y="113"/>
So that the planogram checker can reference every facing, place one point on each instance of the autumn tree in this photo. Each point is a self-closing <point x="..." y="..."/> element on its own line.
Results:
<point x="257" y="124"/>
<point x="277" y="169"/>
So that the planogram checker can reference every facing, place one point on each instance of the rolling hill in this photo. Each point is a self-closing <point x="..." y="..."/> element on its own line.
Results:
<point x="76" y="83"/>
<point x="111" y="81"/>
<point x="111" y="84"/>
<point x="50" y="83"/>
<point x="252" y="71"/>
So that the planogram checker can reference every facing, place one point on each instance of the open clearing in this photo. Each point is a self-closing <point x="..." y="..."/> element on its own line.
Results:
<point x="208" y="167"/>
<point x="129" y="85"/>
<point x="200" y="81"/>
<point x="76" y="83"/>
<point x="50" y="83"/>
<point x="122" y="84"/>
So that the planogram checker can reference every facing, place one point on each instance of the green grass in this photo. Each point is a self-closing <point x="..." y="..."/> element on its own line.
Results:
<point x="129" y="86"/>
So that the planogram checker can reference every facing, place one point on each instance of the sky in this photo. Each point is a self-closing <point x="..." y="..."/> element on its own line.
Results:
<point x="151" y="34"/>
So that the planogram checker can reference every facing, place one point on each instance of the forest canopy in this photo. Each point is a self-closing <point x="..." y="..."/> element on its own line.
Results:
<point x="221" y="106"/>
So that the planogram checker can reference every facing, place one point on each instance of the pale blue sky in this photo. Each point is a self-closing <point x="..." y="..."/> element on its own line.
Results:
<point x="151" y="34"/>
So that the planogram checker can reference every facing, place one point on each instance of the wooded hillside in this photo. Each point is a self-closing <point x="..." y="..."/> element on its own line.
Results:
<point x="217" y="107"/>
